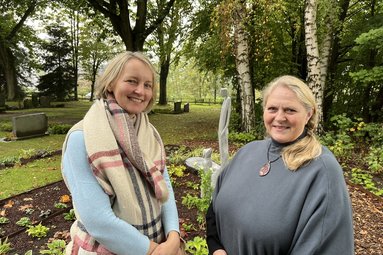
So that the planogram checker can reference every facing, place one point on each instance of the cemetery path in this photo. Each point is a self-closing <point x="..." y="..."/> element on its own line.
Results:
<point x="367" y="209"/>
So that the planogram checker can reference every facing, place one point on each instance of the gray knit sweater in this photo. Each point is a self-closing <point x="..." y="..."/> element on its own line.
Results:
<point x="299" y="213"/>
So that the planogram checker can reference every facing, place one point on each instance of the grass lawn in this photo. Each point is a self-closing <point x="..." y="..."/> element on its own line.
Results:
<point x="200" y="123"/>
<point x="38" y="173"/>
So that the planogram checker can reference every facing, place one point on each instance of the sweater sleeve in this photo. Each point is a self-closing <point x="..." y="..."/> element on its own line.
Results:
<point x="169" y="209"/>
<point x="212" y="238"/>
<point x="93" y="204"/>
<point x="329" y="228"/>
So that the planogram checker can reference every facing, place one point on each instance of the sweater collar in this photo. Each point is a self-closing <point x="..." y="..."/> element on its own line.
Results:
<point x="277" y="146"/>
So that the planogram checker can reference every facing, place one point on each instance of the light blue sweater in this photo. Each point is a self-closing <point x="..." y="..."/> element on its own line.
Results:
<point x="93" y="204"/>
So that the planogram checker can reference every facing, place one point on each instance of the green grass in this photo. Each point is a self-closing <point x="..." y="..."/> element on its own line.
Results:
<point x="200" y="123"/>
<point x="23" y="178"/>
<point x="70" y="114"/>
<point x="16" y="148"/>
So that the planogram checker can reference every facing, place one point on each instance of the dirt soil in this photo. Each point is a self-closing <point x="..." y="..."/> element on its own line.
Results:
<point x="367" y="209"/>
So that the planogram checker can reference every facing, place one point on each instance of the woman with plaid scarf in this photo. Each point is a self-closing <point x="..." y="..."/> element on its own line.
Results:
<point x="114" y="166"/>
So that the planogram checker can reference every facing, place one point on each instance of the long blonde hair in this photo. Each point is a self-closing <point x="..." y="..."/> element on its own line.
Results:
<point x="114" y="69"/>
<point x="309" y="147"/>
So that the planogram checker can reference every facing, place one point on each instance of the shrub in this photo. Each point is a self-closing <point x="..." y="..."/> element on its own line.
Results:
<point x="38" y="231"/>
<point x="6" y="127"/>
<point x="59" y="129"/>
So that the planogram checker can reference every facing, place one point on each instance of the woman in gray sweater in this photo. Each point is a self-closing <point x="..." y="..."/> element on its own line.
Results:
<point x="285" y="194"/>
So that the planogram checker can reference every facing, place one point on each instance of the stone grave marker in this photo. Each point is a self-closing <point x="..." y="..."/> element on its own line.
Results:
<point x="177" y="107"/>
<point x="29" y="125"/>
<point x="186" y="107"/>
<point x="45" y="101"/>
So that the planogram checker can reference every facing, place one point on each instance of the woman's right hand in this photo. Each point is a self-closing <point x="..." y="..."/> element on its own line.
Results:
<point x="220" y="252"/>
<point x="152" y="247"/>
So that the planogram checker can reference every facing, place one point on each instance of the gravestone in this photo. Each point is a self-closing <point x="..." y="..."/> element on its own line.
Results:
<point x="177" y="107"/>
<point x="29" y="125"/>
<point x="27" y="103"/>
<point x="2" y="103"/>
<point x="45" y="101"/>
<point x="186" y="107"/>
<point x="35" y="100"/>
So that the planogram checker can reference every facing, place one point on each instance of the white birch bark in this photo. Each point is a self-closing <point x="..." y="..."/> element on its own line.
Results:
<point x="313" y="58"/>
<point x="243" y="69"/>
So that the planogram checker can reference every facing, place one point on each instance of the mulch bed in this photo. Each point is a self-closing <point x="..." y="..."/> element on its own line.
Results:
<point x="368" y="216"/>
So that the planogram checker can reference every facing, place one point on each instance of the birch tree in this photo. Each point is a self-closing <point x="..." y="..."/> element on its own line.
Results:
<point x="230" y="18"/>
<point x="318" y="54"/>
<point x="243" y="67"/>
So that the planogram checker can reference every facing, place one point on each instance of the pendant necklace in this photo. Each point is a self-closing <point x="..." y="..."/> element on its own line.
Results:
<point x="266" y="167"/>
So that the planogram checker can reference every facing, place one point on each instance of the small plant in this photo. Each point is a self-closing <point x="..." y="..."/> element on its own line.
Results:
<point x="375" y="160"/>
<point x="2" y="232"/>
<point x="38" y="231"/>
<point x="5" y="246"/>
<point x="60" y="205"/>
<point x="27" y="154"/>
<point x="197" y="246"/>
<point x="358" y="176"/>
<point x="175" y="171"/>
<point x="192" y="185"/>
<point x="45" y="213"/>
<point x="24" y="222"/>
<point x="56" y="247"/>
<point x="201" y="203"/>
<point x="70" y="216"/>
<point x="11" y="160"/>
<point x="29" y="211"/>
<point x="188" y="227"/>
<point x="4" y="220"/>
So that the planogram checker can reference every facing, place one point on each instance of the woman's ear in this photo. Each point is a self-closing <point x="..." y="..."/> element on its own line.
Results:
<point x="309" y="115"/>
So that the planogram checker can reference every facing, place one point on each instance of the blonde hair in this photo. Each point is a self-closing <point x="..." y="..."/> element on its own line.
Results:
<point x="309" y="147"/>
<point x="113" y="71"/>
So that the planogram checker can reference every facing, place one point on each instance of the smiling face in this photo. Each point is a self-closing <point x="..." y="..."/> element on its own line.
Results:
<point x="284" y="115"/>
<point x="133" y="88"/>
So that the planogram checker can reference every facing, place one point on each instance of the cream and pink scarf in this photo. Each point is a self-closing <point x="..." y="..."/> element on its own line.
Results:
<point x="127" y="157"/>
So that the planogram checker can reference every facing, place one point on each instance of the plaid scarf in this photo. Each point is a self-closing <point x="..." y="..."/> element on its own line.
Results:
<point x="141" y="143"/>
<point x="127" y="158"/>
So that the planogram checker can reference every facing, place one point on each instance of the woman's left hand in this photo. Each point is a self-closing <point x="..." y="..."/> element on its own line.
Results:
<point x="170" y="247"/>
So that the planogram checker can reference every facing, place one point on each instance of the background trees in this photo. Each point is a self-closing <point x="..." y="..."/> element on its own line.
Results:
<point x="15" y="41"/>
<point x="57" y="64"/>
<point x="197" y="46"/>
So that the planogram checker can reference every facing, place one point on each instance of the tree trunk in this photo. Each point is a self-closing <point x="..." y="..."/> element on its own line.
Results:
<point x="243" y="69"/>
<point x="7" y="63"/>
<point x="164" y="71"/>
<point x="313" y="58"/>
<point x="119" y="15"/>
<point x="333" y="61"/>
<point x="7" y="59"/>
